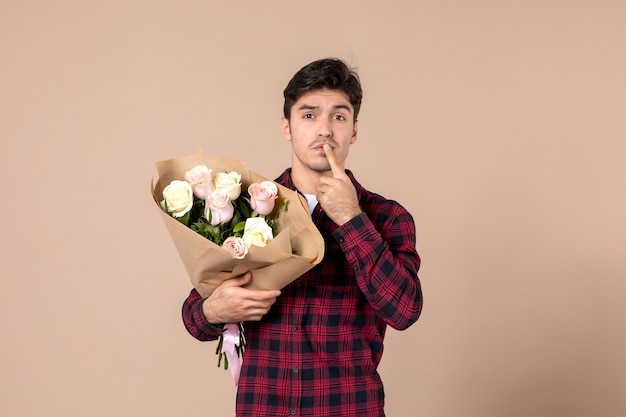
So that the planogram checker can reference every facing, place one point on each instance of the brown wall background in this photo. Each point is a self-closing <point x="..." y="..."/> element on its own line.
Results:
<point x="499" y="124"/>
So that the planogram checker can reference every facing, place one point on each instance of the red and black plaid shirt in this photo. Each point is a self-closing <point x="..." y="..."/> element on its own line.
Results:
<point x="316" y="351"/>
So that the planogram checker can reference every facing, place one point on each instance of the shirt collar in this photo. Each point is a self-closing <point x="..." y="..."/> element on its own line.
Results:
<point x="286" y="180"/>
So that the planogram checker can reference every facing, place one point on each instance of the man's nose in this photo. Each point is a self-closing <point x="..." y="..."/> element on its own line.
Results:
<point x="324" y="128"/>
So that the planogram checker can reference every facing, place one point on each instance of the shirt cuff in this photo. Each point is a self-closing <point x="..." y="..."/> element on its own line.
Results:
<point x="202" y="323"/>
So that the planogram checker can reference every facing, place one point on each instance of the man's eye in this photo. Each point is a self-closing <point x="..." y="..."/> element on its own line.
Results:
<point x="308" y="116"/>
<point x="339" y="117"/>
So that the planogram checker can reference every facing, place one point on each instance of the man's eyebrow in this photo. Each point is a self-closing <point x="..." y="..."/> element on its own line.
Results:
<point x="342" y="106"/>
<point x="308" y="107"/>
<point x="335" y="107"/>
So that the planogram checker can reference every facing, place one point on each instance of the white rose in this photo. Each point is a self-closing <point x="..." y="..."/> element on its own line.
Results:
<point x="229" y="182"/>
<point x="257" y="232"/>
<point x="178" y="198"/>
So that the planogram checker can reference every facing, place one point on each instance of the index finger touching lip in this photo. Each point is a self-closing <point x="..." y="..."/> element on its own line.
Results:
<point x="330" y="155"/>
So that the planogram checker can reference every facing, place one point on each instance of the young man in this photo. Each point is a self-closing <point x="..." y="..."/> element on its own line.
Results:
<point x="314" y="347"/>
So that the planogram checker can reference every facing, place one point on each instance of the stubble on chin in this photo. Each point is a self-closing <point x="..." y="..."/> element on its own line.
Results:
<point x="320" y="166"/>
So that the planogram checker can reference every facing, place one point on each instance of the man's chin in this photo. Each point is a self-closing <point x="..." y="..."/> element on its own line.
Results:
<point x="320" y="168"/>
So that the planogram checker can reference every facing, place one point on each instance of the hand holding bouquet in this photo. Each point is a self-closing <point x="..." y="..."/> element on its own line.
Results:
<point x="222" y="232"/>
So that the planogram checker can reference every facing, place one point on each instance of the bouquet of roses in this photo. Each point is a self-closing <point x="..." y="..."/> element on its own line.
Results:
<point x="226" y="220"/>
<point x="215" y="207"/>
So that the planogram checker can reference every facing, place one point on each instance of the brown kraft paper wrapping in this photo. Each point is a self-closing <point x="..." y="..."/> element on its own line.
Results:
<point x="296" y="248"/>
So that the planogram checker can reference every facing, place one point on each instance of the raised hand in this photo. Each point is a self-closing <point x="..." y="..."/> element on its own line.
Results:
<point x="230" y="303"/>
<point x="336" y="193"/>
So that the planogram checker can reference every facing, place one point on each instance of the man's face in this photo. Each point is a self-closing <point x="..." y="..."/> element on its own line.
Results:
<point x="319" y="117"/>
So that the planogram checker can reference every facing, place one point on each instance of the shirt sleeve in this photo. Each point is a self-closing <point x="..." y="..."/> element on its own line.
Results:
<point x="385" y="264"/>
<point x="195" y="321"/>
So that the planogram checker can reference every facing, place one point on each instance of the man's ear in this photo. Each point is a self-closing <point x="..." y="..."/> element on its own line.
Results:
<point x="355" y="130"/>
<point x="285" y="129"/>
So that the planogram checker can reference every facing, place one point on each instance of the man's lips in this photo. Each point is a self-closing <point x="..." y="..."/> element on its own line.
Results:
<point x="320" y="146"/>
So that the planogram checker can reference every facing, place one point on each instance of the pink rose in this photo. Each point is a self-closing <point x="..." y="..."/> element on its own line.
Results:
<point x="218" y="207"/>
<point x="236" y="247"/>
<point x="263" y="197"/>
<point x="201" y="182"/>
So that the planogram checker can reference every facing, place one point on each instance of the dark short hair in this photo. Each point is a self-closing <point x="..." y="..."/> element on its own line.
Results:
<point x="330" y="73"/>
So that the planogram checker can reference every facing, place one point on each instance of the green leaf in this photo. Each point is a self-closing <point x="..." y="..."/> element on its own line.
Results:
<point x="245" y="210"/>
<point x="235" y="220"/>
<point x="185" y="219"/>
<point x="239" y="227"/>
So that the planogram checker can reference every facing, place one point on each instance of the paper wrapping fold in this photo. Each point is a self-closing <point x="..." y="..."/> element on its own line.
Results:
<point x="296" y="248"/>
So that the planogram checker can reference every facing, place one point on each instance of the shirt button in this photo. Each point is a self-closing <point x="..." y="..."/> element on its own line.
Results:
<point x="295" y="370"/>
<point x="293" y="412"/>
<point x="295" y="328"/>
